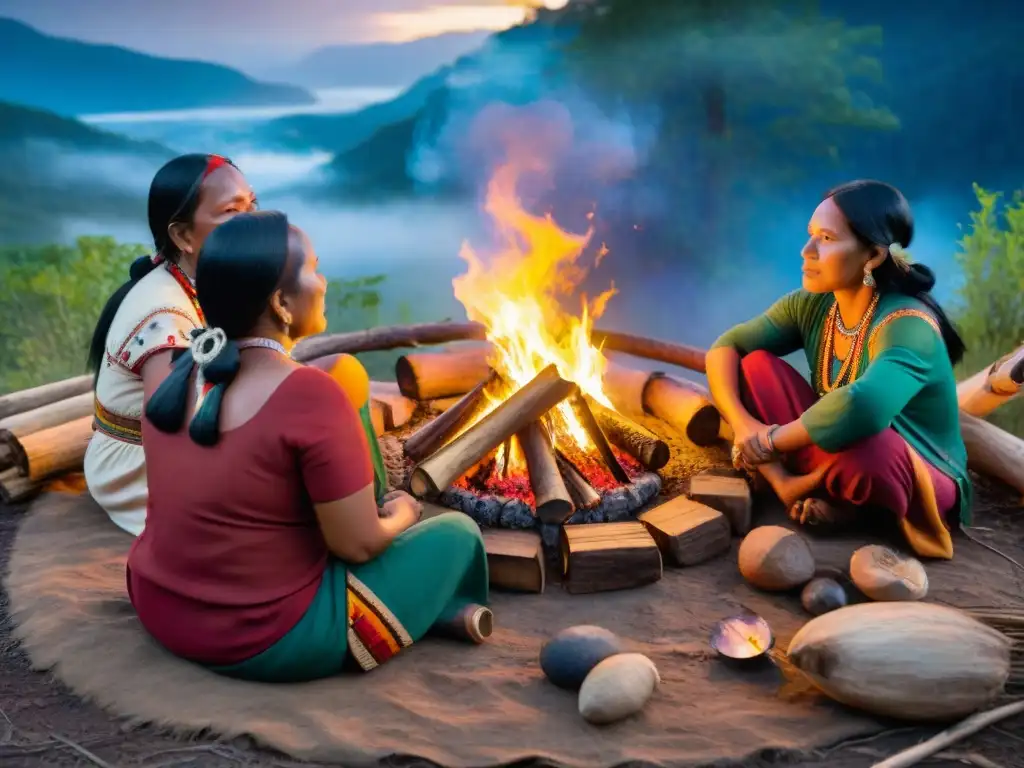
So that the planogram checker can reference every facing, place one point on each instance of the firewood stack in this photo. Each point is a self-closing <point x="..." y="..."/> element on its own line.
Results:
<point x="44" y="432"/>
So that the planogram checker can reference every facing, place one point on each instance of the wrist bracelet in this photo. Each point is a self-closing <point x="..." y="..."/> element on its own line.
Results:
<point x="770" y="437"/>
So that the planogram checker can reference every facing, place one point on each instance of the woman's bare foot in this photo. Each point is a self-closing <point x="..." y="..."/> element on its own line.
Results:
<point x="792" y="488"/>
<point x="820" y="512"/>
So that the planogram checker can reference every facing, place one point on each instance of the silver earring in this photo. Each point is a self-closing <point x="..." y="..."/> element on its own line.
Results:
<point x="869" y="279"/>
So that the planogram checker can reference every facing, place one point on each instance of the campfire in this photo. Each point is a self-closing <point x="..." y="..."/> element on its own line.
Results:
<point x="537" y="437"/>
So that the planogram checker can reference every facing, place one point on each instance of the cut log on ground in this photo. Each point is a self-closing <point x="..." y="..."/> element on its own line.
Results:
<point x="399" y="409"/>
<point x="684" y="406"/>
<point x="553" y="503"/>
<point x="992" y="451"/>
<point x="526" y="405"/>
<point x="669" y="352"/>
<point x="992" y="386"/>
<point x="515" y="560"/>
<point x="389" y="337"/>
<point x="430" y="375"/>
<point x="600" y="557"/>
<point x="434" y="434"/>
<point x="640" y="443"/>
<point x="581" y="406"/>
<point x="687" y="532"/>
<point x="29" y="399"/>
<point x="15" y="487"/>
<point x="46" y="416"/>
<point x="583" y="494"/>
<point x="53" y="451"/>
<point x="625" y="387"/>
<point x="729" y="495"/>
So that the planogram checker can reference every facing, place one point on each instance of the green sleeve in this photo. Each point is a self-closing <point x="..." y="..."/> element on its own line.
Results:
<point x="776" y="331"/>
<point x="380" y="475"/>
<point x="906" y="352"/>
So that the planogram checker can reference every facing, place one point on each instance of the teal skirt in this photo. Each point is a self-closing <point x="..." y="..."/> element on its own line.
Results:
<point x="363" y="614"/>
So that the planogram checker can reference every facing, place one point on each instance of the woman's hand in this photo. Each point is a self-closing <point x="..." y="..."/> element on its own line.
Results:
<point x="753" y="445"/>
<point x="400" y="505"/>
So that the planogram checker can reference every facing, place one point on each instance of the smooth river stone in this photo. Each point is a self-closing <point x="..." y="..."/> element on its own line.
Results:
<point x="568" y="657"/>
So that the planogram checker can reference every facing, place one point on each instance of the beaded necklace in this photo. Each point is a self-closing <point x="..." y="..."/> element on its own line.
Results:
<point x="187" y="286"/>
<point x="829" y="347"/>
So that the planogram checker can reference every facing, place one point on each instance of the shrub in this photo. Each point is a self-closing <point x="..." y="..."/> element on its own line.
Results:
<point x="990" y="303"/>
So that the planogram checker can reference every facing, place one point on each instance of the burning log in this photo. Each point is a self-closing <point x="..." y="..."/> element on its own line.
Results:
<point x="543" y="393"/>
<point x="50" y="415"/>
<point x="430" y="375"/>
<point x="29" y="399"/>
<point x="668" y="352"/>
<point x="15" y="487"/>
<point x="684" y="406"/>
<point x="582" y="492"/>
<point x="642" y="444"/>
<point x="51" y="451"/>
<point x="504" y="459"/>
<point x="992" y="451"/>
<point x="442" y="404"/>
<point x="434" y="434"/>
<point x="597" y="436"/>
<point x="553" y="503"/>
<point x="989" y="388"/>
<point x="389" y="337"/>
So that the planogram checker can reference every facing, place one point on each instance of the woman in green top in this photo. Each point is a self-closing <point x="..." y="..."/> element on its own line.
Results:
<point x="878" y="425"/>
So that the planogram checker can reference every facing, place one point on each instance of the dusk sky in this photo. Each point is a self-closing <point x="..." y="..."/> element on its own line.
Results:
<point x="253" y="32"/>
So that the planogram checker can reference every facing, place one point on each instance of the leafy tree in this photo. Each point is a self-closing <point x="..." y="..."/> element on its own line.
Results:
<point x="50" y="298"/>
<point x="743" y="90"/>
<point x="52" y="295"/>
<point x="990" y="301"/>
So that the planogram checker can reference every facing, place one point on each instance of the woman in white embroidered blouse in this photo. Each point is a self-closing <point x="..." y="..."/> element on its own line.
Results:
<point x="147" y="318"/>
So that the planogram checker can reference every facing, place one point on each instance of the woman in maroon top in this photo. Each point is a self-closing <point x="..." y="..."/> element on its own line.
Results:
<point x="265" y="555"/>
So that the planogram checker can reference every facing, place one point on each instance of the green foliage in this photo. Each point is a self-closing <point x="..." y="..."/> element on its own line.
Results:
<point x="990" y="306"/>
<point x="50" y="298"/>
<point x="763" y="77"/>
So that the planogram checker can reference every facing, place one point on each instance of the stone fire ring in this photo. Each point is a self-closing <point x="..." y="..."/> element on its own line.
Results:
<point x="492" y="511"/>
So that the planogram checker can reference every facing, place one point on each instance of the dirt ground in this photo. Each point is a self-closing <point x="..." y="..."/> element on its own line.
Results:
<point x="44" y="724"/>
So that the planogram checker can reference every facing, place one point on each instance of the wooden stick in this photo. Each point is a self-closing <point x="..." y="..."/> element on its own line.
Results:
<point x="29" y="399"/>
<point x="430" y="375"/>
<point x="434" y="434"/>
<point x="684" y="406"/>
<point x="56" y="450"/>
<point x="504" y="459"/>
<point x="398" y="336"/>
<point x="46" y="416"/>
<point x="388" y="337"/>
<point x="583" y="493"/>
<point x="653" y="349"/>
<point x="441" y="469"/>
<point x="960" y="731"/>
<point x="640" y="443"/>
<point x="992" y="386"/>
<point x="15" y="487"/>
<point x="586" y="416"/>
<point x="554" y="504"/>
<point x="992" y="451"/>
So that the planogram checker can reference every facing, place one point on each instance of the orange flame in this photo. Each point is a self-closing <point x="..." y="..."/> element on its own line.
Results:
<point x="515" y="296"/>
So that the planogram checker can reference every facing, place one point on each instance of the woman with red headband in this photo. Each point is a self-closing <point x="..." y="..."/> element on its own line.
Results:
<point x="148" y="317"/>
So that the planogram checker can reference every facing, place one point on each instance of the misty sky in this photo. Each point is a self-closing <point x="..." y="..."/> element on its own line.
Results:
<point x="249" y="32"/>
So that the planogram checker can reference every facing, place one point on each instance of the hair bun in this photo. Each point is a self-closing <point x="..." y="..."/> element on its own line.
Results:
<point x="141" y="267"/>
<point x="921" y="277"/>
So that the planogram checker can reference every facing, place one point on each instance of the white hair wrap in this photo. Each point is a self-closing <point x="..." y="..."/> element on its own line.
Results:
<point x="207" y="344"/>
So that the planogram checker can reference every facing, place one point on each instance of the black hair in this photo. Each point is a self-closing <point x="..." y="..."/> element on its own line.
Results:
<point x="243" y="261"/>
<point x="879" y="215"/>
<point x="173" y="198"/>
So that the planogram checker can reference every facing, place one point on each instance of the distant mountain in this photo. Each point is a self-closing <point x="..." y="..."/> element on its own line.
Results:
<point x="70" y="77"/>
<point x="53" y="168"/>
<point x="380" y="64"/>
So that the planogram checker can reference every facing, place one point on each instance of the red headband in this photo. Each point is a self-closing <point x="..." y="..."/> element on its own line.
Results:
<point x="215" y="162"/>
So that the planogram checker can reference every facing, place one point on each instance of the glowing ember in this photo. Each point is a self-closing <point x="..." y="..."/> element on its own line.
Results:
<point x="516" y="297"/>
